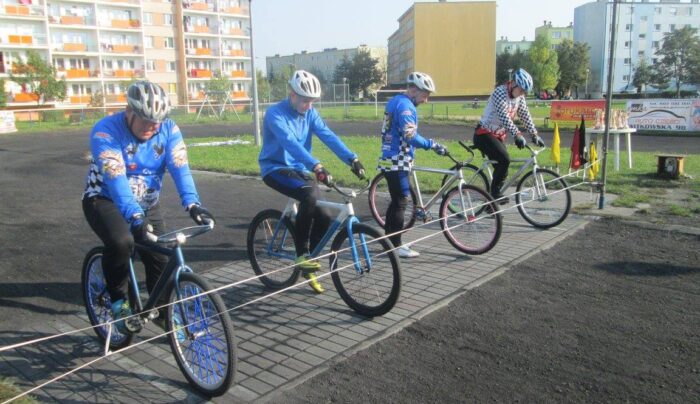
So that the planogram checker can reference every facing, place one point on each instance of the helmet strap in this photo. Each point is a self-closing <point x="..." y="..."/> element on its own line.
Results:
<point x="130" y="124"/>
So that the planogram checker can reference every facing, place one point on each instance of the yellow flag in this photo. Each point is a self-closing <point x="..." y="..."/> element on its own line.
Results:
<point x="556" y="155"/>
<point x="593" y="157"/>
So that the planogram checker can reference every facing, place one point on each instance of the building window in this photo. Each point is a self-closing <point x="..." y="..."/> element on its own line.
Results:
<point x="170" y="67"/>
<point x="627" y="44"/>
<point x="556" y="34"/>
<point x="657" y="27"/>
<point x="626" y="77"/>
<point x="168" y="19"/>
<point x="642" y="36"/>
<point x="169" y="42"/>
<point x="628" y="27"/>
<point x="654" y="61"/>
<point x="627" y="61"/>
<point x="672" y="27"/>
<point x="147" y="18"/>
<point x="172" y="88"/>
<point x="657" y="10"/>
<point x="148" y="42"/>
<point x="655" y="44"/>
<point x="673" y="11"/>
<point x="640" y="53"/>
<point x="150" y="65"/>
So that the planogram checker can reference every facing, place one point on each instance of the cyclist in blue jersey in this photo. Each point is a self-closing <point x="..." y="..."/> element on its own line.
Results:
<point x="505" y="102"/>
<point x="286" y="164"/>
<point x="131" y="150"/>
<point x="400" y="137"/>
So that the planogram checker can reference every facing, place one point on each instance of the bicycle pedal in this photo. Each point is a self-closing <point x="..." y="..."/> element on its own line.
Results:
<point x="134" y="325"/>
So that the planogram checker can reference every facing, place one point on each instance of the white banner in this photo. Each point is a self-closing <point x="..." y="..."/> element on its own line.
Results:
<point x="7" y="122"/>
<point x="664" y="114"/>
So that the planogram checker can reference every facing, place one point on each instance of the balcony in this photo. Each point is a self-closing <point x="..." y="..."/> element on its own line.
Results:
<point x="233" y="52"/>
<point x="74" y="47"/>
<point x="22" y="10"/>
<point x="20" y="39"/>
<point x="198" y="29"/>
<point x="196" y="6"/>
<point x="26" y="97"/>
<point x="234" y="31"/>
<point x="115" y="98"/>
<point x="80" y="99"/>
<point x="235" y="10"/>
<point x="126" y="24"/>
<point x="199" y="51"/>
<point x="72" y="20"/>
<point x="120" y="48"/>
<point x="77" y="73"/>
<point x="197" y="96"/>
<point x="238" y="74"/>
<point x="239" y="94"/>
<point x="200" y="74"/>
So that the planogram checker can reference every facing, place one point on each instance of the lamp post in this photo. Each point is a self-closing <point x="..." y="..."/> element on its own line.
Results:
<point x="345" y="104"/>
<point x="256" y="110"/>
<point x="587" y="73"/>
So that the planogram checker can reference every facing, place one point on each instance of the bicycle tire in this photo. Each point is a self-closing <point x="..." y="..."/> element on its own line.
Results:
<point x="98" y="304"/>
<point x="379" y="200"/>
<point x="374" y="291"/>
<point x="545" y="211"/>
<point x="482" y="228"/>
<point x="205" y="350"/>
<point x="266" y="264"/>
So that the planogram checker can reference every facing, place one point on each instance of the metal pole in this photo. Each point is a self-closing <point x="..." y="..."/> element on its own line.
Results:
<point x="608" y="102"/>
<point x="256" y="118"/>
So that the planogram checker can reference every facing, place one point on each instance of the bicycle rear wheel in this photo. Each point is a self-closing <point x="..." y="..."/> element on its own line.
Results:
<point x="270" y="245"/>
<point x="98" y="303"/>
<point x="379" y="200"/>
<point x="476" y="229"/>
<point x="370" y="286"/>
<point x="201" y="336"/>
<point x="543" y="201"/>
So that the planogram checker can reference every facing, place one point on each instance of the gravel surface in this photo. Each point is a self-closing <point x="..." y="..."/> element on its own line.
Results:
<point x="610" y="314"/>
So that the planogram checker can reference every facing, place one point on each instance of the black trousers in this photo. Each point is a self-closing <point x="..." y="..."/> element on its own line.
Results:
<point x="399" y="190"/>
<point x="109" y="225"/>
<point x="494" y="149"/>
<point x="312" y="222"/>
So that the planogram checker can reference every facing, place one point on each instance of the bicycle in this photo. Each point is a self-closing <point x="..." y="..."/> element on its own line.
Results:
<point x="468" y="215"/>
<point x="542" y="196"/>
<point x="199" y="328"/>
<point x="372" y="285"/>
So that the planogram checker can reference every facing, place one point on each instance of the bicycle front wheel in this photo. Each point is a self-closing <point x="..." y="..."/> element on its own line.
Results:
<point x="98" y="303"/>
<point x="379" y="200"/>
<point x="543" y="199"/>
<point x="271" y="250"/>
<point x="201" y="336"/>
<point x="371" y="283"/>
<point x="477" y="225"/>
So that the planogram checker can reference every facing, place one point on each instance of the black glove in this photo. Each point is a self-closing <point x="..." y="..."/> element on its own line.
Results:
<point x="537" y="140"/>
<point x="200" y="215"/>
<point x="520" y="141"/>
<point x="322" y="175"/>
<point x="358" y="169"/>
<point x="140" y="227"/>
<point x="439" y="149"/>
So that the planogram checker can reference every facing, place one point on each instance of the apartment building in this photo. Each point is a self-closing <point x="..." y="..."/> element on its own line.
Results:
<point x="555" y="34"/>
<point x="504" y="45"/>
<point x="639" y="34"/>
<point x="102" y="45"/>
<point x="323" y="62"/>
<point x="454" y="42"/>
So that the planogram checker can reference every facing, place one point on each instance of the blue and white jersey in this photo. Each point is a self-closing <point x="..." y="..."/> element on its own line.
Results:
<point x="130" y="173"/>
<point x="400" y="135"/>
<point x="287" y="139"/>
<point x="501" y="110"/>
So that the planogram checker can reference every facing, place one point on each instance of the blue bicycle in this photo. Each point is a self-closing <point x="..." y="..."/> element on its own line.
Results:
<point x="199" y="328"/>
<point x="364" y="265"/>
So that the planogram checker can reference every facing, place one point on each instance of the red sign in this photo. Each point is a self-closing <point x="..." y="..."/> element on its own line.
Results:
<point x="572" y="110"/>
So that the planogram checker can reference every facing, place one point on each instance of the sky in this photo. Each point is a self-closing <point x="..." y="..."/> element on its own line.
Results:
<point x="290" y="26"/>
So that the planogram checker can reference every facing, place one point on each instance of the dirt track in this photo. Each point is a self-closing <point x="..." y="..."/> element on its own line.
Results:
<point x="610" y="314"/>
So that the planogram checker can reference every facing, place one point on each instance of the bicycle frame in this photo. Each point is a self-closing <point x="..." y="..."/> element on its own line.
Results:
<point x="526" y="163"/>
<point x="346" y="215"/>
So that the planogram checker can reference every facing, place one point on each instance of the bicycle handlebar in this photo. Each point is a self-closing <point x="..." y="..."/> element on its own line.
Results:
<point x="353" y="193"/>
<point x="180" y="236"/>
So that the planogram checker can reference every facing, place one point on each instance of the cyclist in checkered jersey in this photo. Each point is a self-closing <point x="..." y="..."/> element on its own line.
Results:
<point x="505" y="102"/>
<point x="400" y="137"/>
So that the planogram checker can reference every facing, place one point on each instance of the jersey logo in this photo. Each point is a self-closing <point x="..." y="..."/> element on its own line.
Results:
<point x="103" y="135"/>
<point x="112" y="163"/>
<point x="179" y="154"/>
<point x="131" y="150"/>
<point x="407" y="112"/>
<point x="158" y="149"/>
<point x="409" y="130"/>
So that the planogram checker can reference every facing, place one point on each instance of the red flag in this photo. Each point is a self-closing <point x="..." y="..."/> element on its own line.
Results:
<point x="575" y="162"/>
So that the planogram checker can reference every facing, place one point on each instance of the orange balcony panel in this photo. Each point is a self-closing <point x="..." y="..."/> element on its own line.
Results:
<point x="235" y="31"/>
<point x="71" y="19"/>
<point x="77" y="73"/>
<point x="233" y="10"/>
<point x="115" y="98"/>
<point x="198" y="96"/>
<point x="238" y="73"/>
<point x="27" y="39"/>
<point x="134" y="23"/>
<point x="237" y="52"/>
<point x="74" y="47"/>
<point x="200" y="73"/>
<point x="203" y="51"/>
<point x="199" y="6"/>
<point x="122" y="48"/>
<point x="26" y="97"/>
<point x="201" y="29"/>
<point x="16" y="9"/>
<point x="124" y="73"/>
<point x="239" y="94"/>
<point x="80" y="99"/>
<point x="15" y="39"/>
<point x="121" y="23"/>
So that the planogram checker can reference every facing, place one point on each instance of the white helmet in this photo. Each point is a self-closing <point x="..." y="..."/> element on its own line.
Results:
<point x="523" y="79"/>
<point x="422" y="81"/>
<point x="148" y="101"/>
<point x="305" y="84"/>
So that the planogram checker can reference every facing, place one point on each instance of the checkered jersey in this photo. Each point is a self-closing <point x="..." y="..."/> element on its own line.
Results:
<point x="93" y="186"/>
<point x="400" y="135"/>
<point x="501" y="109"/>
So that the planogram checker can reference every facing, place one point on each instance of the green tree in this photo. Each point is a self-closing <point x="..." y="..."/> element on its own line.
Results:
<point x="97" y="99"/>
<point x="218" y="87"/>
<point x="278" y="82"/>
<point x="365" y="73"/>
<point x="573" y="59"/>
<point x="542" y="64"/>
<point x="506" y="62"/>
<point x="679" y="57"/>
<point x="264" y="88"/>
<point x="40" y="77"/>
<point x="642" y="76"/>
<point x="3" y="95"/>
